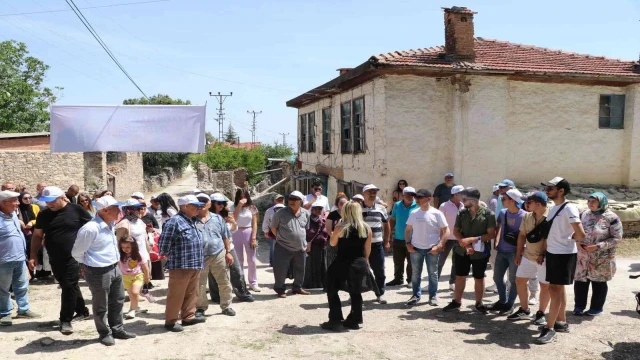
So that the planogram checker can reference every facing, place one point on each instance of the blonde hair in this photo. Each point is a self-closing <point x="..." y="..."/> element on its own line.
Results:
<point x="352" y="217"/>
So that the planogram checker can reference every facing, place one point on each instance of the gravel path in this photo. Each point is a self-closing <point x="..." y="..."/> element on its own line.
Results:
<point x="288" y="328"/>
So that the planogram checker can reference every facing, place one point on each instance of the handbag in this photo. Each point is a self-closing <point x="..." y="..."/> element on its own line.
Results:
<point x="545" y="226"/>
<point x="510" y="237"/>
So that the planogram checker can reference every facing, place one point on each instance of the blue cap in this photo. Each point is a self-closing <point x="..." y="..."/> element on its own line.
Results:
<point x="506" y="182"/>
<point x="538" y="196"/>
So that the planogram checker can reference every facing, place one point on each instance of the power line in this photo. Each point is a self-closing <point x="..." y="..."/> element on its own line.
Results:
<point x="220" y="98"/>
<point x="284" y="138"/>
<point x="253" y="126"/>
<point x="86" y="24"/>
<point x="90" y="7"/>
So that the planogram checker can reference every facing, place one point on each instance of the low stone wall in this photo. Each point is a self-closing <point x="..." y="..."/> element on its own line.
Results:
<point x="631" y="228"/>
<point x="25" y="167"/>
<point x="161" y="180"/>
<point x="223" y="181"/>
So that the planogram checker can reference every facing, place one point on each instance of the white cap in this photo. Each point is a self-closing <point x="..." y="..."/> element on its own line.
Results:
<point x="189" y="199"/>
<point x="357" y="197"/>
<point x="448" y="175"/>
<point x="297" y="194"/>
<point x="515" y="195"/>
<point x="320" y="203"/>
<point x="153" y="197"/>
<point x="370" y="187"/>
<point x="409" y="190"/>
<point x="496" y="188"/>
<point x="106" y="201"/>
<point x="456" y="189"/>
<point x="276" y="206"/>
<point x="6" y="195"/>
<point x="51" y="193"/>
<point x="138" y="195"/>
<point x="196" y="191"/>
<point x="218" y="197"/>
<point x="202" y="196"/>
<point x="132" y="203"/>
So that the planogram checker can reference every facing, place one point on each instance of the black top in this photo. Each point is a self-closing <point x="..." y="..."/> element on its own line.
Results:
<point x="443" y="192"/>
<point x="352" y="246"/>
<point x="61" y="228"/>
<point x="150" y="219"/>
<point x="334" y="216"/>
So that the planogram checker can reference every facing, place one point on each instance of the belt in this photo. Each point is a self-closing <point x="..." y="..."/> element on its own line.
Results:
<point x="102" y="267"/>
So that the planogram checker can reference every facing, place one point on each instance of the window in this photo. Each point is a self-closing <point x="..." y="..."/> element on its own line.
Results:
<point x="303" y="133"/>
<point x="311" y="132"/>
<point x="353" y="126"/>
<point x="326" y="131"/>
<point x="345" y="115"/>
<point x="611" y="112"/>
<point x="358" y="125"/>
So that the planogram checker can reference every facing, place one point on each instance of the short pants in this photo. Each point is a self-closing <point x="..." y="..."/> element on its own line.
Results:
<point x="530" y="269"/>
<point x="464" y="264"/>
<point x="130" y="280"/>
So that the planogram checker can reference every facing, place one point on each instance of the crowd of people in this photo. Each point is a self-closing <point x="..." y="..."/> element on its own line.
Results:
<point x="202" y="240"/>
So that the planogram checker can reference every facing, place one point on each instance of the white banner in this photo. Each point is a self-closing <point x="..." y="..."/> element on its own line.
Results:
<point x="135" y="128"/>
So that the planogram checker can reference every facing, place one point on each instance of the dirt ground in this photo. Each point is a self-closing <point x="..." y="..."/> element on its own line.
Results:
<point x="288" y="328"/>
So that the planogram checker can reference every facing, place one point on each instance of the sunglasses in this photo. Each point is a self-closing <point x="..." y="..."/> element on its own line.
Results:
<point x="26" y="198"/>
<point x="549" y="188"/>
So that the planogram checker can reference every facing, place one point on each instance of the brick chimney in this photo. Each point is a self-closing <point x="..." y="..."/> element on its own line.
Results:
<point x="458" y="33"/>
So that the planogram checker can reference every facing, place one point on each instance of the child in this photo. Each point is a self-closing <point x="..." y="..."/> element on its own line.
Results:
<point x="135" y="273"/>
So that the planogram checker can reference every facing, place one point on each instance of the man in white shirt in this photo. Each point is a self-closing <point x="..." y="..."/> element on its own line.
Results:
<point x="450" y="210"/>
<point x="561" y="255"/>
<point x="316" y="196"/>
<point x="426" y="234"/>
<point x="266" y="223"/>
<point x="96" y="248"/>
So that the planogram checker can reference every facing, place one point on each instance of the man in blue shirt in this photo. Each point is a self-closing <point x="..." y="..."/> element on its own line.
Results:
<point x="217" y="254"/>
<point x="181" y="242"/>
<point x="13" y="267"/>
<point x="96" y="248"/>
<point x="399" y="216"/>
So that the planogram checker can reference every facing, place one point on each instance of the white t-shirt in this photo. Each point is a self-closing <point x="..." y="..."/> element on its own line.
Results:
<point x="245" y="216"/>
<point x="559" y="240"/>
<point x="426" y="227"/>
<point x="322" y="199"/>
<point x="139" y="233"/>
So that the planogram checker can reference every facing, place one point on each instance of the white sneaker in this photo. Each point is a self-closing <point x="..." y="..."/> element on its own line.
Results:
<point x="131" y="314"/>
<point x="380" y="299"/>
<point x="533" y="300"/>
<point x="452" y="287"/>
<point x="255" y="288"/>
<point x="492" y="288"/>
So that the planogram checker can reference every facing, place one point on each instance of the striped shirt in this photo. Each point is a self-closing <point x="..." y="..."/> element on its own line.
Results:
<point x="182" y="242"/>
<point x="375" y="216"/>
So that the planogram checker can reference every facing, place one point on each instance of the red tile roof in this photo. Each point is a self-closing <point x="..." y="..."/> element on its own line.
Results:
<point x="503" y="55"/>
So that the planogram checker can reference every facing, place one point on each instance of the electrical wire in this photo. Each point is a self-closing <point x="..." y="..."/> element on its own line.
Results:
<point x="86" y="23"/>
<point x="93" y="7"/>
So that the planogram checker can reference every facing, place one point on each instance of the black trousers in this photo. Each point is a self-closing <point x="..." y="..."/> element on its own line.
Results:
<point x="598" y="297"/>
<point x="67" y="271"/>
<point x="376" y="260"/>
<point x="400" y="254"/>
<point x="449" y="245"/>
<point x="353" y="272"/>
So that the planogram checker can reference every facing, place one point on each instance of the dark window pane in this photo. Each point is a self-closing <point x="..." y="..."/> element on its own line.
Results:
<point x="312" y="131"/>
<point x="617" y="112"/>
<point x="345" y="114"/>
<point x="326" y="130"/>
<point x="604" y="122"/>
<point x="303" y="133"/>
<point x="358" y="125"/>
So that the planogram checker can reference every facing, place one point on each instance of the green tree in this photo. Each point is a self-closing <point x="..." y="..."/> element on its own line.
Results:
<point x="209" y="138"/>
<point x="231" y="136"/>
<point x="153" y="163"/>
<point x="23" y="100"/>
<point x="277" y="151"/>
<point x="224" y="157"/>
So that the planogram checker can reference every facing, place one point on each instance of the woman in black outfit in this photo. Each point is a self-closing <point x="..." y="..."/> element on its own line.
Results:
<point x="353" y="239"/>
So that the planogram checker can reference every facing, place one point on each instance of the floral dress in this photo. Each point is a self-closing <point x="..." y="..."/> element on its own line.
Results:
<point x="604" y="230"/>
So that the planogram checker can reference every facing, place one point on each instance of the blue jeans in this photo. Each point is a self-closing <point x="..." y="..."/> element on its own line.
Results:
<point x="13" y="274"/>
<point x="504" y="262"/>
<point x="418" y="258"/>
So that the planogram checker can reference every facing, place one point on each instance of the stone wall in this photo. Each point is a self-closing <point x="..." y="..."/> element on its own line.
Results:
<point x="128" y="173"/>
<point x="164" y="179"/>
<point x="24" y="167"/>
<point x="95" y="171"/>
<point x="223" y="181"/>
<point x="631" y="228"/>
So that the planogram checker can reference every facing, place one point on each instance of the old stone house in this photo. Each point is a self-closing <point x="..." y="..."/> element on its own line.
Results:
<point x="482" y="109"/>
<point x="25" y="159"/>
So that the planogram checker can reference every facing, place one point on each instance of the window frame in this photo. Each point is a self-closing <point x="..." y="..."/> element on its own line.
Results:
<point x="302" y="146"/>
<point x="609" y="107"/>
<point x="346" y="145"/>
<point x="311" y="132"/>
<point x="361" y="141"/>
<point x="326" y="131"/>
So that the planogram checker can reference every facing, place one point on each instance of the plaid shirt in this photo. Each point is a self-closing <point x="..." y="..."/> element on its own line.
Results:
<point x="182" y="242"/>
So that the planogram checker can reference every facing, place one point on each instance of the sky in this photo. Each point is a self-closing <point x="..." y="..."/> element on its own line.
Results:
<point x="268" y="52"/>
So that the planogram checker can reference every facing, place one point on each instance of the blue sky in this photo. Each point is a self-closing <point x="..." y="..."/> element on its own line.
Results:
<point x="271" y="51"/>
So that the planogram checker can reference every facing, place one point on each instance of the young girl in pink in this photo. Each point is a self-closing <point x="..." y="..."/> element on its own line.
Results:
<point x="135" y="273"/>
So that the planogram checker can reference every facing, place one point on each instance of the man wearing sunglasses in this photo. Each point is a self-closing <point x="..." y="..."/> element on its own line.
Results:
<point x="561" y="256"/>
<point x="316" y="197"/>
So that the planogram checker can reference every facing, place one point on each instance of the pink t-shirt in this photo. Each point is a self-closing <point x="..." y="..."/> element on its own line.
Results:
<point x="450" y="211"/>
<point x="130" y="266"/>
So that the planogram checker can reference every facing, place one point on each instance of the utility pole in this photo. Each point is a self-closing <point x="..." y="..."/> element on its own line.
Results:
<point x="221" y="98"/>
<point x="284" y="138"/>
<point x="253" y="126"/>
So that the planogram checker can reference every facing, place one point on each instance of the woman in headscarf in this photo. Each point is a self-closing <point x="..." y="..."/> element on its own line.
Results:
<point x="596" y="255"/>
<point x="317" y="236"/>
<point x="27" y="215"/>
